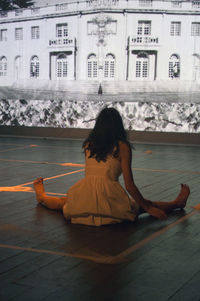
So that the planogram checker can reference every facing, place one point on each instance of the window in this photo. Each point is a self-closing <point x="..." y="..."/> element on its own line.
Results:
<point x="61" y="30"/>
<point x="3" y="66"/>
<point x="145" y="2"/>
<point x="174" y="66"/>
<point x="62" y="66"/>
<point x="35" y="11"/>
<point x="18" y="12"/>
<point x="195" y="29"/>
<point x="35" y="32"/>
<point x="109" y="66"/>
<point x="18" y="33"/>
<point x="34" y="67"/>
<point x="92" y="66"/>
<point x="196" y="4"/>
<point x="144" y="28"/>
<point x="176" y="3"/>
<point x="3" y="35"/>
<point x="142" y="65"/>
<point x="175" y="29"/>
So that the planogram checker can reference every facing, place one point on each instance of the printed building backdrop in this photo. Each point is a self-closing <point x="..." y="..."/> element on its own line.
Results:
<point x="63" y="61"/>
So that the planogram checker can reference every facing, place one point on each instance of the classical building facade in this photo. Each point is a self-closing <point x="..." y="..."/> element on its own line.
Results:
<point x="123" y="45"/>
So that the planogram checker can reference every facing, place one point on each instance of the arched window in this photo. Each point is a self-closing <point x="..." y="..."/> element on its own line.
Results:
<point x="3" y="66"/>
<point x="196" y="66"/>
<point x="61" y="66"/>
<point x="174" y="66"/>
<point x="109" y="66"/>
<point x="17" y="67"/>
<point x="34" y="67"/>
<point x="142" y="65"/>
<point x="92" y="66"/>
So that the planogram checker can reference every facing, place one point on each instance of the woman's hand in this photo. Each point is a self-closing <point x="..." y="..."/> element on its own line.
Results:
<point x="125" y="159"/>
<point x="154" y="211"/>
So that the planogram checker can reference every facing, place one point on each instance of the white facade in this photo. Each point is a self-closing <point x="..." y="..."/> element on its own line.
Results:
<point x="124" y="45"/>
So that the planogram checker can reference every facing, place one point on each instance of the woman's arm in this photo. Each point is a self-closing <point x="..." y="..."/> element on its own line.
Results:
<point x="125" y="159"/>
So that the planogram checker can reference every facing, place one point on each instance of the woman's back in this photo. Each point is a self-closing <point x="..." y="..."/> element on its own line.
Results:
<point x="110" y="169"/>
<point x="99" y="199"/>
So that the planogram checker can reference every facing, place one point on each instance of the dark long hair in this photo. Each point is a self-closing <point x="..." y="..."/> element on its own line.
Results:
<point x="106" y="134"/>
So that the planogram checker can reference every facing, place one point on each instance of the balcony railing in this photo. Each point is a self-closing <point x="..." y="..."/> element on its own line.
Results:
<point x="61" y="42"/>
<point x="61" y="6"/>
<point x="145" y="3"/>
<point x="84" y="5"/>
<point x="196" y="4"/>
<point x="144" y="40"/>
<point x="102" y="3"/>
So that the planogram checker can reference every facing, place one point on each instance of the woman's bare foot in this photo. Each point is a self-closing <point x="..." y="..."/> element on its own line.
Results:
<point x="181" y="199"/>
<point x="39" y="189"/>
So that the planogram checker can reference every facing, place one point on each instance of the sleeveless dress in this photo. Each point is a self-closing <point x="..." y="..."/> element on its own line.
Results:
<point x="99" y="199"/>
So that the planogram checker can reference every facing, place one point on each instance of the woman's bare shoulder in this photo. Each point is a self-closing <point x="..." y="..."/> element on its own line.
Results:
<point x="124" y="146"/>
<point x="124" y="150"/>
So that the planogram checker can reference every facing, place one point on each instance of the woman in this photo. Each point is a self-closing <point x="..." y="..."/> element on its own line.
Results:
<point x="99" y="199"/>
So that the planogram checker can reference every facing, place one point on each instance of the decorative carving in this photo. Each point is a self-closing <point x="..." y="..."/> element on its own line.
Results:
<point x="102" y="29"/>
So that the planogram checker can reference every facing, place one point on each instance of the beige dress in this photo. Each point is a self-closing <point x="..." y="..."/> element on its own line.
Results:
<point x="99" y="199"/>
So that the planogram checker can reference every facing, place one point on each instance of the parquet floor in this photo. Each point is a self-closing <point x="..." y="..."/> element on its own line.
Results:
<point x="44" y="258"/>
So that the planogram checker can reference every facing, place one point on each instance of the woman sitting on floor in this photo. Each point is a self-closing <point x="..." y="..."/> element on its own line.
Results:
<point x="98" y="198"/>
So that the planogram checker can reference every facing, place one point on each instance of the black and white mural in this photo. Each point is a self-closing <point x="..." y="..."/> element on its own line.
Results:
<point x="164" y="117"/>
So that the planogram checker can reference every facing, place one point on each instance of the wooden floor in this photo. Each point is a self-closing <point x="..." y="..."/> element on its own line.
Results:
<point x="44" y="258"/>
